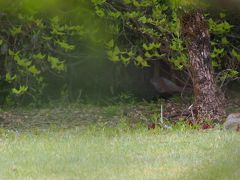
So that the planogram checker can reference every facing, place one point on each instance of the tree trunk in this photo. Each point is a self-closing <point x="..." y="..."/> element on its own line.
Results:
<point x="209" y="102"/>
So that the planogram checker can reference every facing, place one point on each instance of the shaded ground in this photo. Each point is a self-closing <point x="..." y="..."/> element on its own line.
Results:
<point x="72" y="115"/>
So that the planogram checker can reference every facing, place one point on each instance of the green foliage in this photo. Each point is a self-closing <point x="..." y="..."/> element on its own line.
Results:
<point x="31" y="49"/>
<point x="236" y="54"/>
<point x="56" y="64"/>
<point x="36" y="39"/>
<point x="141" y="62"/>
<point x="151" y="30"/>
<point x="222" y="27"/>
<point x="154" y="29"/>
<point x="180" y="61"/>
<point x="64" y="45"/>
<point x="228" y="74"/>
<point x="151" y="46"/>
<point x="224" y="54"/>
<point x="21" y="90"/>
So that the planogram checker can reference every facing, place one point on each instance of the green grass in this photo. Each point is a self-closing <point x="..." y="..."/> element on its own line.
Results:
<point x="78" y="141"/>
<point x="119" y="153"/>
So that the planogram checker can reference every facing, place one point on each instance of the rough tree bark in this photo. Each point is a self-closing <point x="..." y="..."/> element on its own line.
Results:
<point x="209" y="100"/>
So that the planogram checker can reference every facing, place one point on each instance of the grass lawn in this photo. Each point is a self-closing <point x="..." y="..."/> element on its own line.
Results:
<point x="119" y="153"/>
<point x="112" y="142"/>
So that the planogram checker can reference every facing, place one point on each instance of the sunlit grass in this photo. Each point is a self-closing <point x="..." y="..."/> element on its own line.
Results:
<point x="119" y="153"/>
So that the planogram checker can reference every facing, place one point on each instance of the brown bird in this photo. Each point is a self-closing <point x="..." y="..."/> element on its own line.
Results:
<point x="163" y="85"/>
<point x="151" y="125"/>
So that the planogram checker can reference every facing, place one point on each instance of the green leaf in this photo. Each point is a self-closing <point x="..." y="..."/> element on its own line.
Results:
<point x="141" y="62"/>
<point x="47" y="38"/>
<point x="56" y="63"/>
<point x="148" y="55"/>
<point x="112" y="56"/>
<point x="98" y="2"/>
<point x="130" y="53"/>
<point x="115" y="15"/>
<point x="127" y="1"/>
<point x="224" y="41"/>
<point x="217" y="52"/>
<point x="116" y="51"/>
<point x="39" y="23"/>
<point x="55" y="20"/>
<point x="39" y="56"/>
<point x="110" y="44"/>
<point x="22" y="62"/>
<point x="177" y="45"/>
<point x="16" y="30"/>
<point x="12" y="53"/>
<point x="57" y="32"/>
<point x="99" y="12"/>
<point x="151" y="46"/>
<point x="34" y="70"/>
<point x="145" y="47"/>
<point x="10" y="78"/>
<point x="143" y="19"/>
<point x="231" y="73"/>
<point x="125" y="60"/>
<point x="236" y="54"/>
<point x="220" y="28"/>
<point x="156" y="54"/>
<point x="179" y="61"/>
<point x="215" y="64"/>
<point x="67" y="47"/>
<point x="222" y="15"/>
<point x="21" y="90"/>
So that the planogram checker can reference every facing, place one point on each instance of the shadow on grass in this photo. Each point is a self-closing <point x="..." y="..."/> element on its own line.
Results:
<point x="226" y="165"/>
